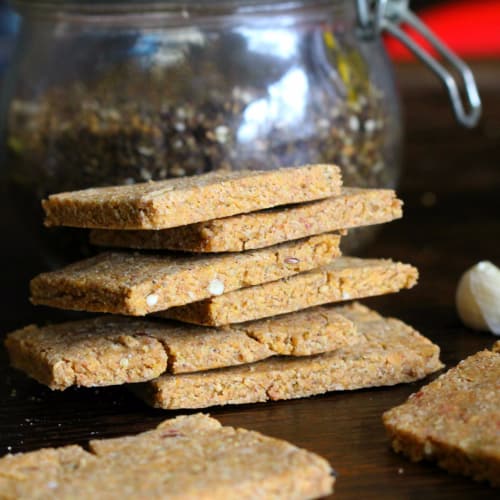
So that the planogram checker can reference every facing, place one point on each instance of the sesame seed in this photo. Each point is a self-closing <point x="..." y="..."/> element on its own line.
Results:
<point x="428" y="449"/>
<point x="346" y="295"/>
<point x="291" y="260"/>
<point x="152" y="300"/>
<point x="216" y="287"/>
<point x="323" y="123"/>
<point x="177" y="171"/>
<point x="354" y="123"/>
<point x="370" y="126"/>
<point x="145" y="151"/>
<point x="221" y="133"/>
<point x="145" y="174"/>
<point x="124" y="362"/>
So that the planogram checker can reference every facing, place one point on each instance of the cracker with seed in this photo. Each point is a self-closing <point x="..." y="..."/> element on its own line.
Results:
<point x="189" y="457"/>
<point x="454" y="420"/>
<point x="352" y="208"/>
<point x="343" y="279"/>
<point x="113" y="350"/>
<point x="389" y="353"/>
<point x="187" y="200"/>
<point x="138" y="284"/>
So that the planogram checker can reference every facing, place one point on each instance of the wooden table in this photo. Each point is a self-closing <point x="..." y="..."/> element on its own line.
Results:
<point x="451" y="188"/>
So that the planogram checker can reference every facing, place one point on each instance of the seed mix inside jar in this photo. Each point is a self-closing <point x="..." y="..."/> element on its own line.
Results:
<point x="208" y="111"/>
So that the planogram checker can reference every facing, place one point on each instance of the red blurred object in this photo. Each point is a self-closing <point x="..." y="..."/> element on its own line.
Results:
<point x="469" y="28"/>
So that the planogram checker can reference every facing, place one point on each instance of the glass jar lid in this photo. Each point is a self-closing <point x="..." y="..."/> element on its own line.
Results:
<point x="133" y="6"/>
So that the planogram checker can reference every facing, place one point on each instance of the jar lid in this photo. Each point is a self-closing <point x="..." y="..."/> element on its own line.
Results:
<point x="134" y="6"/>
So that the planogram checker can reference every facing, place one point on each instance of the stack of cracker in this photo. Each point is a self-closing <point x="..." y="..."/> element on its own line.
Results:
<point x="233" y="271"/>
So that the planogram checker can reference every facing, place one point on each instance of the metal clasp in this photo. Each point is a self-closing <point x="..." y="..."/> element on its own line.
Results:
<point x="377" y="16"/>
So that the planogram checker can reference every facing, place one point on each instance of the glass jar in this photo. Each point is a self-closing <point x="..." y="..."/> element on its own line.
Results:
<point x="118" y="92"/>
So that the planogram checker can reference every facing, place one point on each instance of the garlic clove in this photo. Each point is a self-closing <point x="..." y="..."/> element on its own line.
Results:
<point x="478" y="297"/>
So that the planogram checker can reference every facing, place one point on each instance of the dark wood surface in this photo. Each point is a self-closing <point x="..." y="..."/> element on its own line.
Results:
<point x="451" y="188"/>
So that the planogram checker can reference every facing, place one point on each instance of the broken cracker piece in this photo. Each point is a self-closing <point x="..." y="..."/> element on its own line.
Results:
<point x="189" y="457"/>
<point x="454" y="420"/>
<point x="389" y="353"/>
<point x="112" y="350"/>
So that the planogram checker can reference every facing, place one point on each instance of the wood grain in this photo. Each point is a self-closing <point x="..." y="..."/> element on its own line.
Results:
<point x="462" y="171"/>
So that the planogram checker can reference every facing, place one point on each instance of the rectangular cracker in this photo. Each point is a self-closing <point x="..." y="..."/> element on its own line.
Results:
<point x="186" y="200"/>
<point x="454" y="420"/>
<point x="352" y="208"/>
<point x="389" y="353"/>
<point x="343" y="279"/>
<point x="189" y="457"/>
<point x="138" y="284"/>
<point x="113" y="350"/>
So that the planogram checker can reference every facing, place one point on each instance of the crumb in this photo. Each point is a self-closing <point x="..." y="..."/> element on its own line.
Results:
<point x="428" y="199"/>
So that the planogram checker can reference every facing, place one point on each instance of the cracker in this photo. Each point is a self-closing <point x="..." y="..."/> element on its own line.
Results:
<point x="138" y="284"/>
<point x="95" y="352"/>
<point x="389" y="353"/>
<point x="116" y="350"/>
<point x="454" y="420"/>
<point x="344" y="278"/>
<point x="186" y="200"/>
<point x="353" y="208"/>
<point x="189" y="457"/>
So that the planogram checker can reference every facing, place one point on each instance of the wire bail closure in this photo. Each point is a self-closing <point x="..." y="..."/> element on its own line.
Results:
<point x="377" y="16"/>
